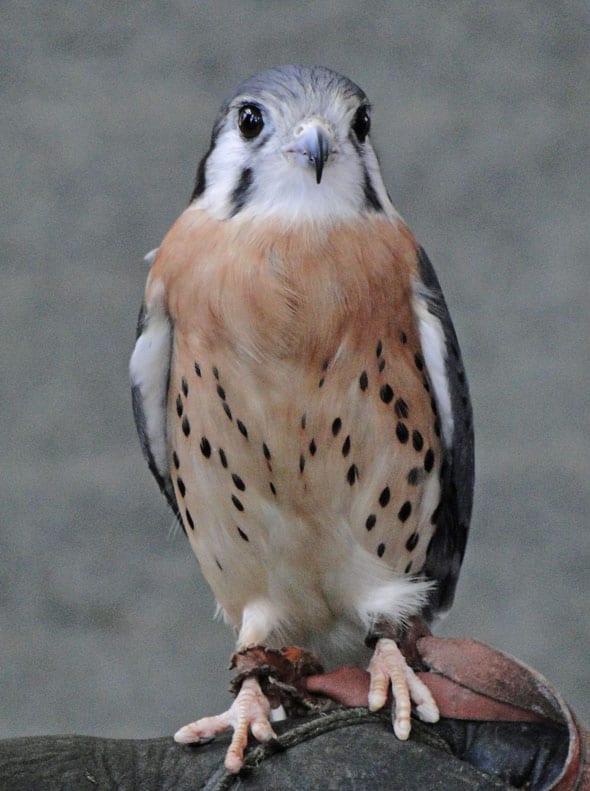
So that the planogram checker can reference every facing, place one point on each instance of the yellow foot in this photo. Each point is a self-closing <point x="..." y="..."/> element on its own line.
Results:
<point x="388" y="666"/>
<point x="249" y="711"/>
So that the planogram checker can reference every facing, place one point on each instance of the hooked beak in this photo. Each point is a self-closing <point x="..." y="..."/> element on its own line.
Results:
<point x="311" y="146"/>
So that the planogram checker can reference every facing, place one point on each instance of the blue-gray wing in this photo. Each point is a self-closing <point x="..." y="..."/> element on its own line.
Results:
<point x="445" y="365"/>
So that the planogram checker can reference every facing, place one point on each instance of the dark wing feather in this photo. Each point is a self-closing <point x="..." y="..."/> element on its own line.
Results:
<point x="150" y="371"/>
<point x="447" y="546"/>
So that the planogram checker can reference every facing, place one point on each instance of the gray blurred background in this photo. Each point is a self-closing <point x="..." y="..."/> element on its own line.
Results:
<point x="481" y="120"/>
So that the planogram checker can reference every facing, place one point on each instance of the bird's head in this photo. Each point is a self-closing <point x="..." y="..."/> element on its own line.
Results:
<point x="293" y="143"/>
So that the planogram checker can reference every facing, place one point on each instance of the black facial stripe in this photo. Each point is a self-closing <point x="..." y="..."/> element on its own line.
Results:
<point x="200" y="181"/>
<point x="240" y="193"/>
<point x="371" y="199"/>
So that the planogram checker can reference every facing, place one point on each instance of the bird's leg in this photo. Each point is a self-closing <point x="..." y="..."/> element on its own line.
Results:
<point x="388" y="666"/>
<point x="267" y="679"/>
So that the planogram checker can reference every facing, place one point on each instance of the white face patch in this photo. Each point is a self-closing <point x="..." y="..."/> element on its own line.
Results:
<point x="261" y="178"/>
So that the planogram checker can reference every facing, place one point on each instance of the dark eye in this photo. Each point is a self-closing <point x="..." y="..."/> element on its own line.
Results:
<point x="361" y="123"/>
<point x="250" y="121"/>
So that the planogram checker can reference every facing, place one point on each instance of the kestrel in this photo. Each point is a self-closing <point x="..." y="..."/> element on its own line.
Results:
<point x="300" y="396"/>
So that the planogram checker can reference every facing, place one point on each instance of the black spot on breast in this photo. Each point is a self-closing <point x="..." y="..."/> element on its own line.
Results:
<point x="238" y="482"/>
<point x="242" y="534"/>
<point x="363" y="380"/>
<point x="223" y="458"/>
<point x="386" y="393"/>
<point x="321" y="382"/>
<point x="414" y="476"/>
<point x="419" y="361"/>
<point x="401" y="408"/>
<point x="379" y="349"/>
<point x="238" y="503"/>
<point x="384" y="497"/>
<point x="408" y="568"/>
<point x="242" y="428"/>
<point x="336" y="426"/>
<point x="221" y="392"/>
<point x="184" y="386"/>
<point x="301" y="463"/>
<point x="426" y="386"/>
<point x="304" y="420"/>
<point x="371" y="521"/>
<point x="179" y="405"/>
<point x="186" y="426"/>
<point x="402" y="433"/>
<point x="181" y="486"/>
<point x="412" y="542"/>
<point x="219" y="566"/>
<point x="429" y="460"/>
<point x="266" y="451"/>
<point x="346" y="446"/>
<point x="175" y="460"/>
<point x="312" y="447"/>
<point x="227" y="410"/>
<point x="381" y="550"/>
<point x="381" y="365"/>
<point x="417" y="440"/>
<point x="403" y="337"/>
<point x="272" y="488"/>
<point x="205" y="447"/>
<point x="325" y="365"/>
<point x="404" y="511"/>
<point x="189" y="519"/>
<point x="215" y="371"/>
<point x="197" y="369"/>
<point x="352" y="474"/>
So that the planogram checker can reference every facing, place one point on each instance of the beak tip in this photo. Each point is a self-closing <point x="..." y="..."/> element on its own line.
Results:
<point x="312" y="147"/>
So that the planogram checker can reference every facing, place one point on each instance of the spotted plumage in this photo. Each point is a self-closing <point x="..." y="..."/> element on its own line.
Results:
<point x="295" y="360"/>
